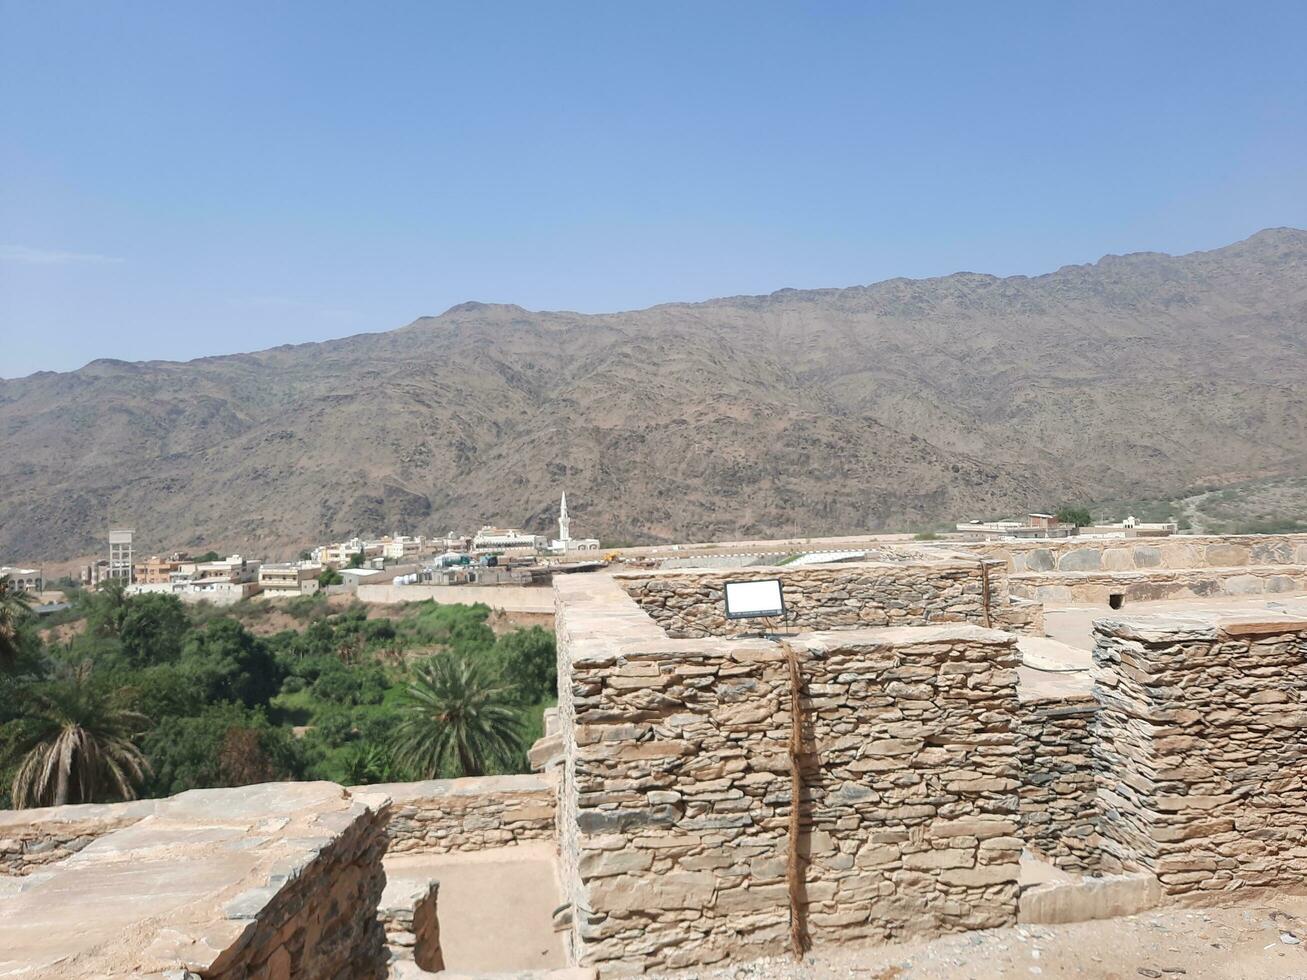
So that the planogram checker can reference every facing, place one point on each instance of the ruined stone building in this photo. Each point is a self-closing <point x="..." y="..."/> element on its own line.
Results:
<point x="894" y="760"/>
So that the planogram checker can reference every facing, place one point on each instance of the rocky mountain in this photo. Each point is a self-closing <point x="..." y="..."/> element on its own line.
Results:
<point x="892" y="405"/>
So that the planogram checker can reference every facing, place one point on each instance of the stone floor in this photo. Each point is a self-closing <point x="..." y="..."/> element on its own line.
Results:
<point x="159" y="892"/>
<point x="495" y="906"/>
<point x="1073" y="625"/>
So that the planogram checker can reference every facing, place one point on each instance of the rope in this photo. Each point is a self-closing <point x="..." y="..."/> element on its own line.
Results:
<point x="799" y="941"/>
<point x="984" y="593"/>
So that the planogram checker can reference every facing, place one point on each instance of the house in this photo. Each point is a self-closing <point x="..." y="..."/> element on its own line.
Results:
<point x="289" y="578"/>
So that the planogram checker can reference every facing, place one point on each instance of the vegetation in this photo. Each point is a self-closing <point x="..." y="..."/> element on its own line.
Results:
<point x="78" y="744"/>
<point x="455" y="714"/>
<point x="14" y="606"/>
<point x="1079" y="516"/>
<point x="143" y="696"/>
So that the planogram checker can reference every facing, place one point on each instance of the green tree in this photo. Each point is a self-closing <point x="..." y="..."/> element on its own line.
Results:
<point x="15" y="606"/>
<point x="329" y="576"/>
<point x="152" y="628"/>
<point x="228" y="663"/>
<point x="529" y="663"/>
<point x="78" y="745"/>
<point x="199" y="751"/>
<point x="362" y="764"/>
<point x="1078" y="516"/>
<point x="208" y="556"/>
<point x="456" y="717"/>
<point x="106" y="608"/>
<point x="356" y="560"/>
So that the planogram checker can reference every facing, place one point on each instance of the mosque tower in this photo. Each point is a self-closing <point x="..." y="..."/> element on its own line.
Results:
<point x="564" y="522"/>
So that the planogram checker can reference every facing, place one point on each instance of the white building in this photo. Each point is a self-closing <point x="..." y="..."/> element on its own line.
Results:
<point x="24" y="579"/>
<point x="506" y="539"/>
<point x="121" y="565"/>
<point x="400" y="546"/>
<point x="565" y="542"/>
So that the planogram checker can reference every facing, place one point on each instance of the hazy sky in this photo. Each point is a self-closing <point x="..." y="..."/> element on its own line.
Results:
<point x="181" y="179"/>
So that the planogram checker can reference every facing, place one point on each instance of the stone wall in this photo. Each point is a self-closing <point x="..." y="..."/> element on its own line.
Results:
<point x="409" y="915"/>
<point x="442" y="815"/>
<point x="1144" y="554"/>
<point x="676" y="791"/>
<point x="1059" y="812"/>
<point x="1095" y="588"/>
<point x="317" y="919"/>
<point x="1200" y="748"/>
<point x="30" y="839"/>
<point x="690" y="603"/>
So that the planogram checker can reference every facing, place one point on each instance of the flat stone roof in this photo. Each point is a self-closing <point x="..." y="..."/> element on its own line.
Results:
<point x="1200" y="624"/>
<point x="175" y="888"/>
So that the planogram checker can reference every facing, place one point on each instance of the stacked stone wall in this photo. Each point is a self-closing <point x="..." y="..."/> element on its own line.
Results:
<point x="31" y="839"/>
<point x="471" y="814"/>
<point x="319" y="919"/>
<point x="1096" y="588"/>
<point x="1059" y="810"/>
<point x="1201" y="746"/>
<point x="677" y="784"/>
<point x="850" y="595"/>
<point x="1144" y="554"/>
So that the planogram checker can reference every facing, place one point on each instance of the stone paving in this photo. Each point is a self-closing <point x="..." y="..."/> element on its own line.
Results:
<point x="185" y="885"/>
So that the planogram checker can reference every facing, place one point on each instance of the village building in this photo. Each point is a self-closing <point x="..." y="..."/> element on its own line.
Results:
<point x="24" y="579"/>
<point x="289" y="578"/>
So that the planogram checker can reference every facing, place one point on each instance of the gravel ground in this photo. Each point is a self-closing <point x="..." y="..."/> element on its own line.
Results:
<point x="1255" y="941"/>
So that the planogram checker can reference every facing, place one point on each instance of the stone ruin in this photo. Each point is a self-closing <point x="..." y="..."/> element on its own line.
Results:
<point x="932" y="767"/>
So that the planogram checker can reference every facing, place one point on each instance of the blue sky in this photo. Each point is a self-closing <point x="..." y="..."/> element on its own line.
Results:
<point x="182" y="179"/>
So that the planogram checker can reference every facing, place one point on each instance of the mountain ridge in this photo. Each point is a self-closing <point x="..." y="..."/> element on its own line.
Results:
<point x="898" y="403"/>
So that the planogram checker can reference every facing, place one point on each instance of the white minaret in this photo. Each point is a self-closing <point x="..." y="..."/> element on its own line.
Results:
<point x="564" y="522"/>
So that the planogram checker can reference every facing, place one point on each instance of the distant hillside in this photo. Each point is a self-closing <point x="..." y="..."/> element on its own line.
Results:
<point x="834" y="410"/>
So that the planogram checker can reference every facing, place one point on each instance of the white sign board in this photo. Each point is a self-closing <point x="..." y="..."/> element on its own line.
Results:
<point x="754" y="600"/>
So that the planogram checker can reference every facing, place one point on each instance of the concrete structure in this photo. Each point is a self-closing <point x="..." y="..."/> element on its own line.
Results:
<point x="120" y="555"/>
<point x="24" y="579"/>
<point x="156" y="570"/>
<point x="398" y="547"/>
<point x="341" y="553"/>
<point x="235" y="569"/>
<point x="289" y="579"/>
<point x="1035" y="526"/>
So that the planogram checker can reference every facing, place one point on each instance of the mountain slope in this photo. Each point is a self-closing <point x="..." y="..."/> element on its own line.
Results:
<point x="829" y="410"/>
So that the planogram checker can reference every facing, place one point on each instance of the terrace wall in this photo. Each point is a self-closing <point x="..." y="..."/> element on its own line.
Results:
<point x="1185" y="583"/>
<point x="1200" y="748"/>
<point x="1144" y="554"/>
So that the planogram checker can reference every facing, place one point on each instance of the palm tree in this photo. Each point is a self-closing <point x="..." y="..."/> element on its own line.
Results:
<point x="78" y="746"/>
<point x="455" y="713"/>
<point x="15" y="604"/>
